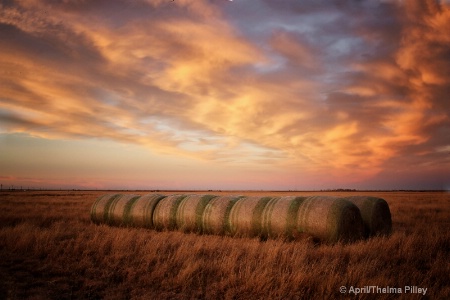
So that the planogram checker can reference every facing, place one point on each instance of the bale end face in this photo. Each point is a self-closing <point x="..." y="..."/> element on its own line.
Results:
<point x="382" y="221"/>
<point x="330" y="219"/>
<point x="349" y="223"/>
<point x="375" y="214"/>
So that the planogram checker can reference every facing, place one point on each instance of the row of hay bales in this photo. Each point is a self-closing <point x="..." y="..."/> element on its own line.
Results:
<point x="329" y="219"/>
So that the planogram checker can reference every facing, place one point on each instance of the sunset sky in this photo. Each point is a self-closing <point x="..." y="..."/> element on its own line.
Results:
<point x="218" y="94"/>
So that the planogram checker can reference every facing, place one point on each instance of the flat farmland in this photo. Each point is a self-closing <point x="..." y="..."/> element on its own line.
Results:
<point x="49" y="249"/>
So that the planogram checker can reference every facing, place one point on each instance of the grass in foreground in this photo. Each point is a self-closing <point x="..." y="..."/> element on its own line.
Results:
<point x="49" y="249"/>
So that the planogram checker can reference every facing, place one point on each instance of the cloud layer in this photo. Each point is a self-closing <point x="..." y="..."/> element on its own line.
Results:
<point x="349" y="89"/>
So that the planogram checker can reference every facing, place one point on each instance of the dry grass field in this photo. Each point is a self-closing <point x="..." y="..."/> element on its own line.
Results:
<point x="49" y="249"/>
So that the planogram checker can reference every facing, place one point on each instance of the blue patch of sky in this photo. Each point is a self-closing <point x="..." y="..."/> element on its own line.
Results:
<point x="107" y="97"/>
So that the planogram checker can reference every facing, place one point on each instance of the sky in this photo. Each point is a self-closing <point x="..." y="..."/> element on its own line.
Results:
<point x="231" y="95"/>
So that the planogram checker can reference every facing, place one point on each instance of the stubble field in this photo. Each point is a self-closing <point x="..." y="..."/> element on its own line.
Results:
<point x="49" y="249"/>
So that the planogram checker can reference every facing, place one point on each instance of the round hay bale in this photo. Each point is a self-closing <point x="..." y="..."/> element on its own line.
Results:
<point x="246" y="216"/>
<point x="375" y="214"/>
<point x="190" y="212"/>
<point x="279" y="217"/>
<point x="139" y="213"/>
<point x="100" y="208"/>
<point x="117" y="212"/>
<point x="330" y="219"/>
<point x="216" y="213"/>
<point x="165" y="212"/>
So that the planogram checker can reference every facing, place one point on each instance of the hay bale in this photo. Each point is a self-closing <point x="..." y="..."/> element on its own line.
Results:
<point x="190" y="212"/>
<point x="279" y="217"/>
<point x="98" y="207"/>
<point x="111" y="208"/>
<point x="115" y="213"/>
<point x="330" y="219"/>
<point x="375" y="214"/>
<point x="246" y="216"/>
<point x="165" y="212"/>
<point x="216" y="213"/>
<point x="139" y="213"/>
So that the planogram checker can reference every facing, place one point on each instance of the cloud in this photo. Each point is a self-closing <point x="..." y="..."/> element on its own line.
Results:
<point x="343" y="89"/>
<point x="134" y="81"/>
<point x="423" y="56"/>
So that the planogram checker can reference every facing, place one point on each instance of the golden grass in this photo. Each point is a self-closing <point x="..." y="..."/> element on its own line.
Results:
<point x="49" y="249"/>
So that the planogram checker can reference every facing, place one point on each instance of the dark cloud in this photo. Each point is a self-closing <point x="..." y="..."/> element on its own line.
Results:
<point x="11" y="120"/>
<point x="348" y="86"/>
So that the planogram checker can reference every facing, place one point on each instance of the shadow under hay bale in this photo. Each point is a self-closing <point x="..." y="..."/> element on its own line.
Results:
<point x="375" y="214"/>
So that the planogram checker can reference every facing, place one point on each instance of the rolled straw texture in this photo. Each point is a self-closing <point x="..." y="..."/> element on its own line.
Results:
<point x="246" y="216"/>
<point x="216" y="213"/>
<point x="375" y="213"/>
<point x="110" y="208"/>
<point x="116" y="211"/>
<point x="190" y="212"/>
<point x="165" y="212"/>
<point x="139" y="213"/>
<point x="279" y="217"/>
<point x="98" y="207"/>
<point x="330" y="219"/>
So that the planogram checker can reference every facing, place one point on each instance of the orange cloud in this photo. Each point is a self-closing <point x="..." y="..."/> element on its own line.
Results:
<point x="329" y="99"/>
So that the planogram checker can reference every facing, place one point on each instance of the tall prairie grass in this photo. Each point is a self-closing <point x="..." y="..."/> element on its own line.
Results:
<point x="49" y="249"/>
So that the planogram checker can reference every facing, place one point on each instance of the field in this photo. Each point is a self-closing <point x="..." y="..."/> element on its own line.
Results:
<point x="49" y="249"/>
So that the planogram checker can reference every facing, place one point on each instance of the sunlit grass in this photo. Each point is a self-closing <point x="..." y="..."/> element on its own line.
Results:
<point x="49" y="249"/>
